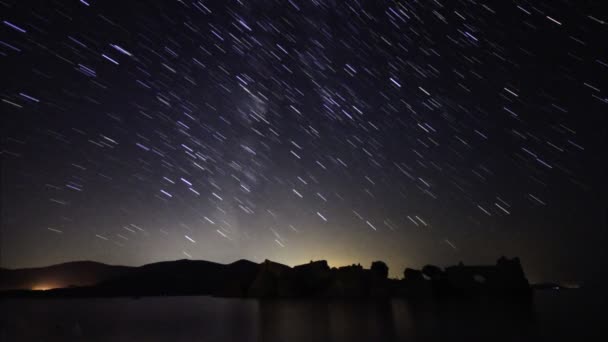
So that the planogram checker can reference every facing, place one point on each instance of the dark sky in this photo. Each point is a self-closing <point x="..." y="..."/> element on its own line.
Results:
<point x="413" y="132"/>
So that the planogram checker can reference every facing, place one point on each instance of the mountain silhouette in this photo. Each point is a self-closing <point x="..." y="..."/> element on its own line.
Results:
<point x="75" y="273"/>
<point x="268" y="279"/>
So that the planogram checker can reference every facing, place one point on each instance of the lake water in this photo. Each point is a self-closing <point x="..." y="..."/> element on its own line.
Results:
<point x="550" y="316"/>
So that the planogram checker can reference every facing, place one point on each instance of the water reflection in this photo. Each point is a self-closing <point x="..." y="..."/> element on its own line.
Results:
<point x="337" y="320"/>
<point x="395" y="320"/>
<point x="216" y="319"/>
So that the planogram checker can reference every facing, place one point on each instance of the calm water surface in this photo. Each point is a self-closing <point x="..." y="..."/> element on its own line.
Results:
<point x="551" y="316"/>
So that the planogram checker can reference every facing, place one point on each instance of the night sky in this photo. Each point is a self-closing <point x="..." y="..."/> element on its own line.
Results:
<point x="413" y="132"/>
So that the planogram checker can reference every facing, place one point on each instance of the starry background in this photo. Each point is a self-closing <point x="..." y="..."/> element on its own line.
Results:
<point x="413" y="132"/>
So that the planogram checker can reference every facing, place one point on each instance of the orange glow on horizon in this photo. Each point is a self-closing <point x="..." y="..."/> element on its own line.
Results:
<point x="43" y="287"/>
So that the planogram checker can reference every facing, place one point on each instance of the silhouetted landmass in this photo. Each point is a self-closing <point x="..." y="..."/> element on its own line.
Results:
<point x="77" y="273"/>
<point x="271" y="280"/>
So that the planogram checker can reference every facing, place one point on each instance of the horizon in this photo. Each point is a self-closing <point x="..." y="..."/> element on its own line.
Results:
<point x="393" y="274"/>
<point x="248" y="278"/>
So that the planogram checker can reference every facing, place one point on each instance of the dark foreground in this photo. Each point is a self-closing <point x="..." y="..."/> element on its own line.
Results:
<point x="549" y="316"/>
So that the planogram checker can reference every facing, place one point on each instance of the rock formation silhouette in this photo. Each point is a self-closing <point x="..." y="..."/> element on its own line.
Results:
<point x="315" y="279"/>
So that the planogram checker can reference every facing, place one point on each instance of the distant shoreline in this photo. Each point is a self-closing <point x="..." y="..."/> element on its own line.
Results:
<point x="246" y="279"/>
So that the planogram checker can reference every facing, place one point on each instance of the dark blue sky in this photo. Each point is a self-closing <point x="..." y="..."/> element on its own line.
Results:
<point x="412" y="132"/>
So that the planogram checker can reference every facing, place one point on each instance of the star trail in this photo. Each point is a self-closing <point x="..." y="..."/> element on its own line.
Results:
<point x="408" y="131"/>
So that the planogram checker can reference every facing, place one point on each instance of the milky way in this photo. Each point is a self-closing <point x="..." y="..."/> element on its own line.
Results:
<point x="408" y="131"/>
